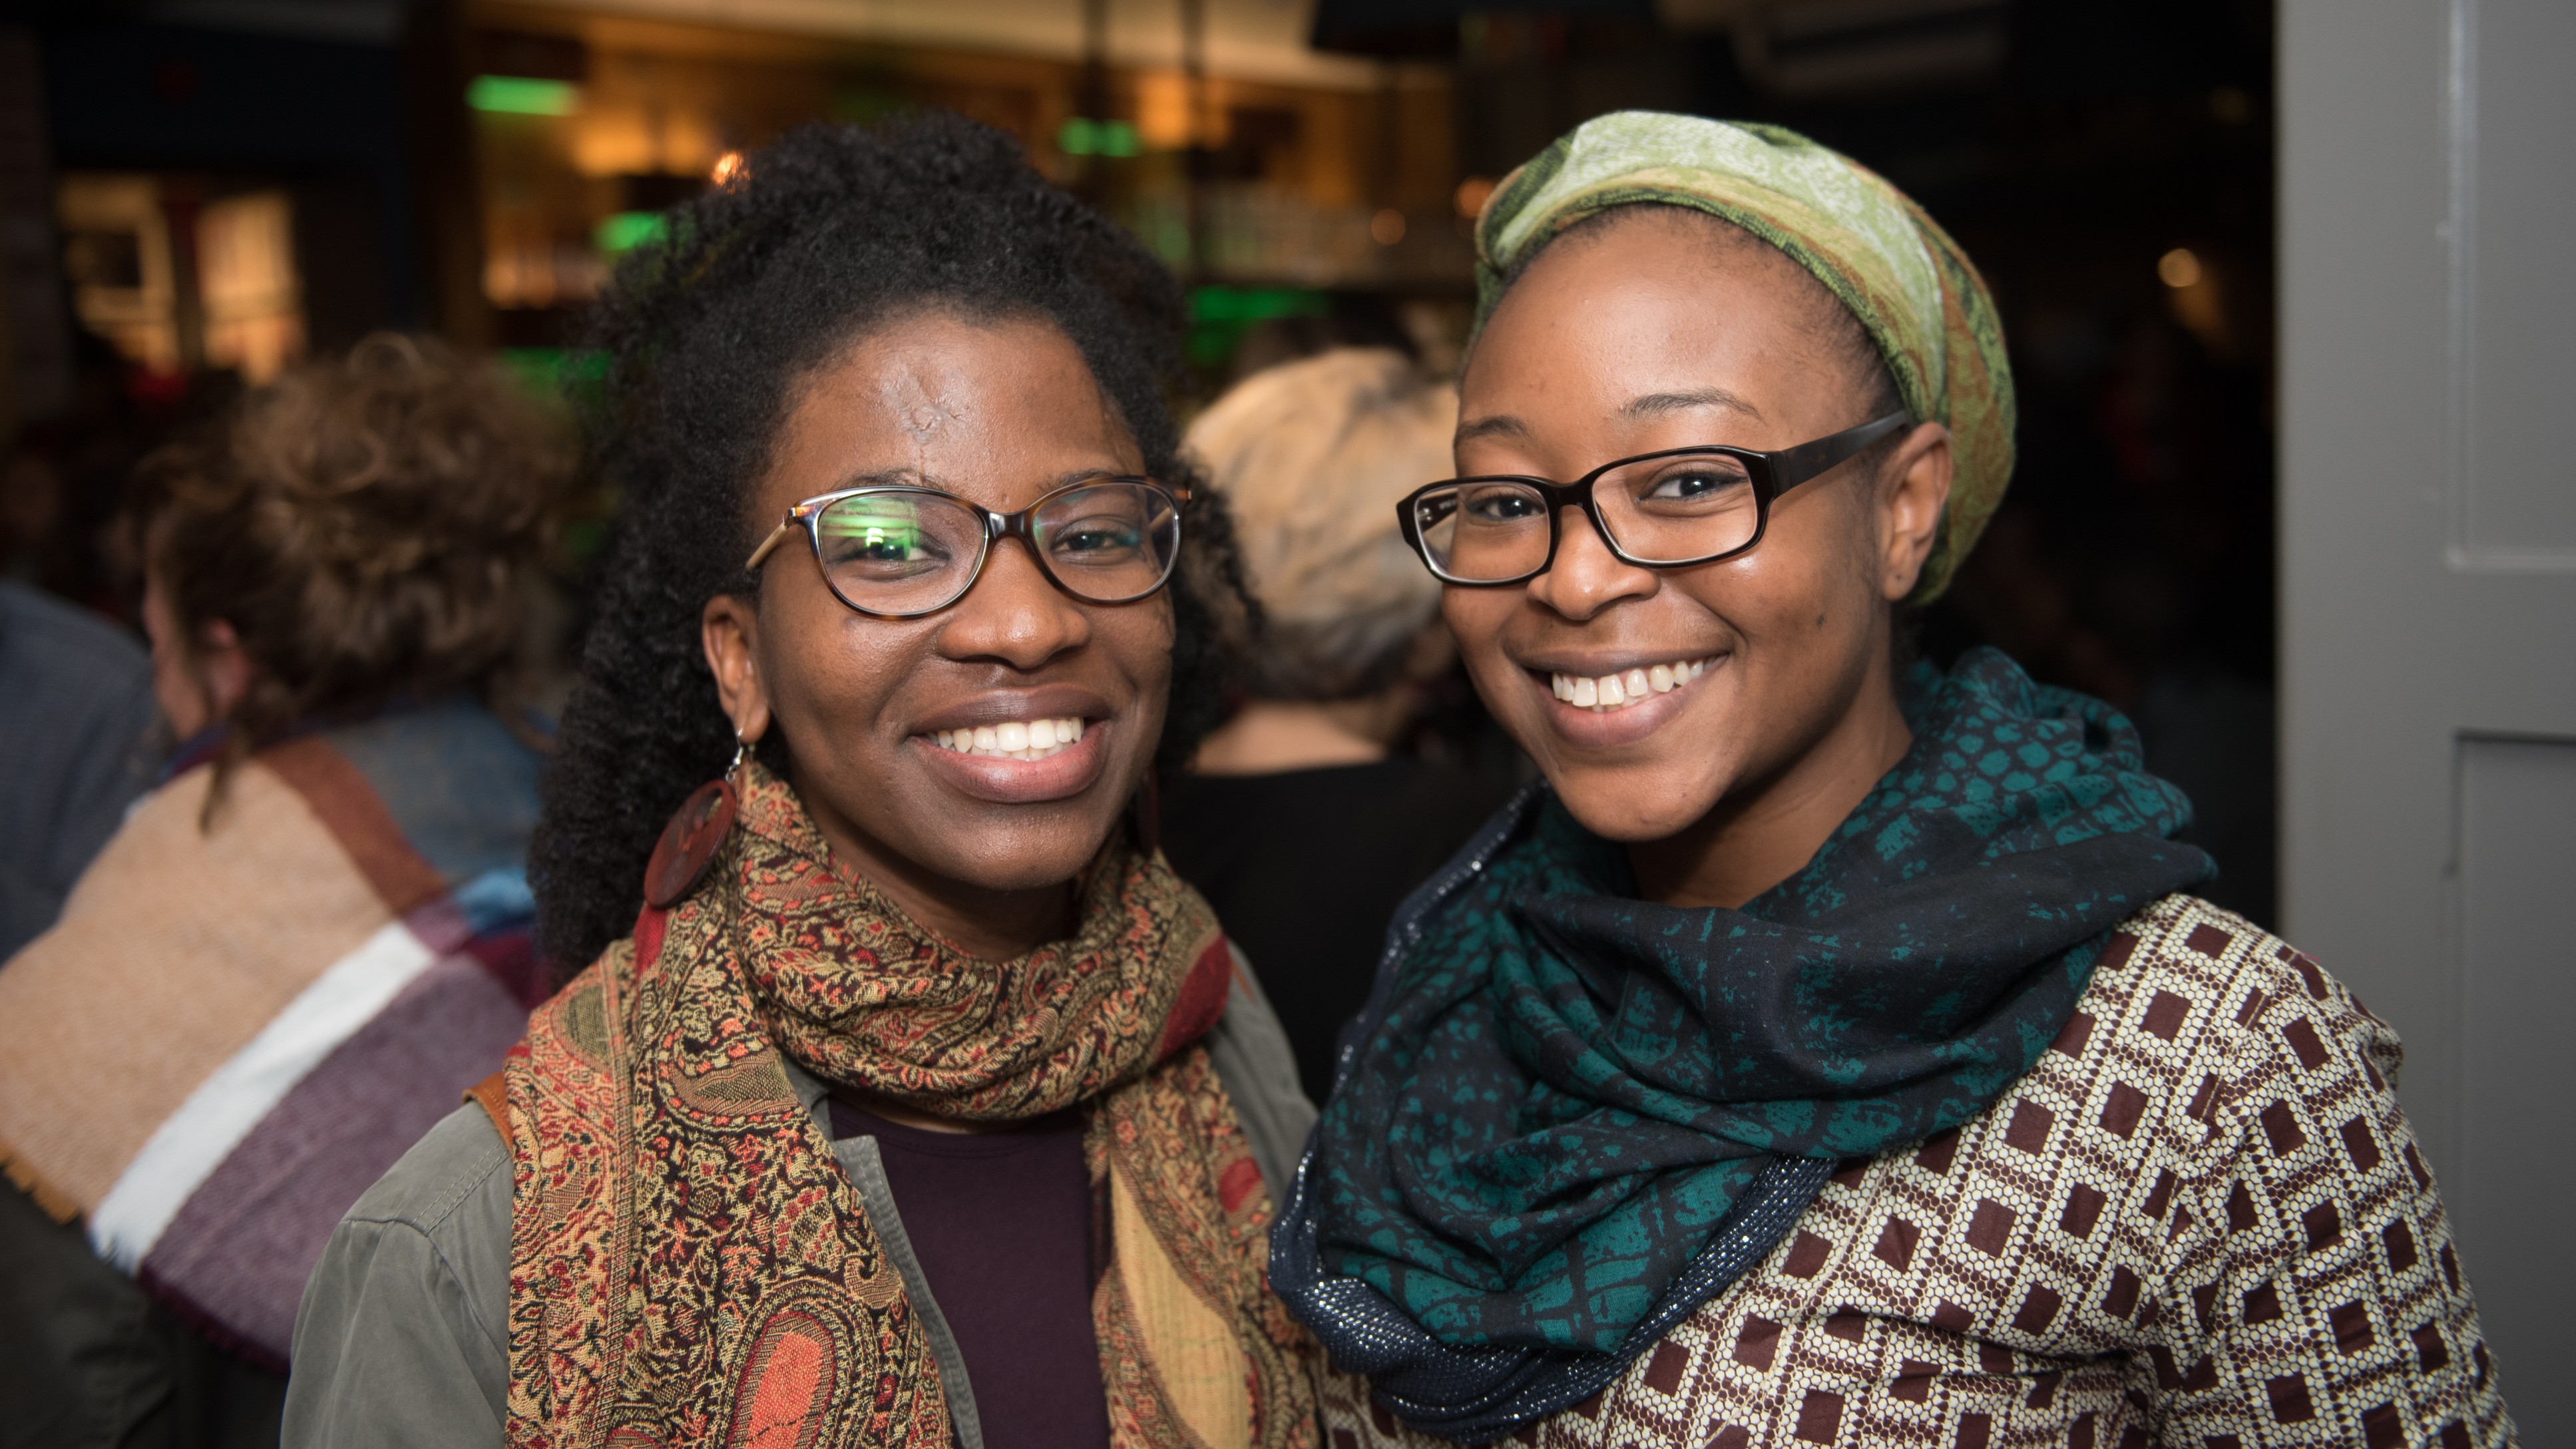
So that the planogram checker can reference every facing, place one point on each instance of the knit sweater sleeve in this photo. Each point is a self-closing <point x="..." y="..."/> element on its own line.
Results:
<point x="2311" y="1294"/>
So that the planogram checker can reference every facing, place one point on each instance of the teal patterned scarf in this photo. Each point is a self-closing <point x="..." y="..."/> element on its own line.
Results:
<point x="1563" y="1092"/>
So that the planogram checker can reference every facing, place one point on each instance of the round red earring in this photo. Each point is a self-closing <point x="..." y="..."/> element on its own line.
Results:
<point x="696" y="832"/>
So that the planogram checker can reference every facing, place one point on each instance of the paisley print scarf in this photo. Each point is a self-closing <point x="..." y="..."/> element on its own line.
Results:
<point x="688" y="1263"/>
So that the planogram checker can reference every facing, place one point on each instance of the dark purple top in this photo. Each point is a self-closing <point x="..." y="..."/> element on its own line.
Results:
<point x="1001" y="1223"/>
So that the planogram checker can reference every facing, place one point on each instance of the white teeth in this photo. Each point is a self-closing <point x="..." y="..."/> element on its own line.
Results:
<point x="1016" y="740"/>
<point x="1619" y="691"/>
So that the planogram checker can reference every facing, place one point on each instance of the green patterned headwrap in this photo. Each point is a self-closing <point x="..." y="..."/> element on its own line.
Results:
<point x="1872" y="247"/>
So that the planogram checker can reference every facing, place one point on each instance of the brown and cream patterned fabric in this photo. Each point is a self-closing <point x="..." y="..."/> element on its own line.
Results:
<point x="2200" y="1220"/>
<point x="688" y="1262"/>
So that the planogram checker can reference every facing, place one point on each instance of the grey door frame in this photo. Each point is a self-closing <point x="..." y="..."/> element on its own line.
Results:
<point x="2428" y="647"/>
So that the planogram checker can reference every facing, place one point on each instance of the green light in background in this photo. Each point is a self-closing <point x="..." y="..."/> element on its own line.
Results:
<point x="1256" y="304"/>
<point x="1219" y="316"/>
<point x="1084" y="137"/>
<point x="554" y="371"/>
<point x="519" y="95"/>
<point x="628" y="230"/>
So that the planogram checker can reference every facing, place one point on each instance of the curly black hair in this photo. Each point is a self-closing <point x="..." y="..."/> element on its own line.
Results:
<point x="828" y="234"/>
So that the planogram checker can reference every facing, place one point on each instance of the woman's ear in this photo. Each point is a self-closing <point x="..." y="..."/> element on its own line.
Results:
<point x="223" y="668"/>
<point x="1914" y="491"/>
<point x="729" y="629"/>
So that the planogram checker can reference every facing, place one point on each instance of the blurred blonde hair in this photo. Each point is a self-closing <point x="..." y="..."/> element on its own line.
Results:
<point x="1312" y="457"/>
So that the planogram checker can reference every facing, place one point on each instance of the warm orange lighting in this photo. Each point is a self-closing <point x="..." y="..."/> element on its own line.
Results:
<point x="1163" y="112"/>
<point x="2178" y="269"/>
<point x="1387" y="227"/>
<point x="616" y="141"/>
<point x="1473" y="193"/>
<point x="727" y="170"/>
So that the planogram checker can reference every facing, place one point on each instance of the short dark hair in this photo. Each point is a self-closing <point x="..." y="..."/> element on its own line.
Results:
<point x="831" y="233"/>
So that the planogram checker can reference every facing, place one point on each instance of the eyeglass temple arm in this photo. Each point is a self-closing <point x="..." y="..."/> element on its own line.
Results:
<point x="770" y="544"/>
<point x="1793" y="466"/>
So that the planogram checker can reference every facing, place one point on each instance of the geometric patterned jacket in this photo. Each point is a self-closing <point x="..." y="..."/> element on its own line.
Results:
<point x="2200" y="1220"/>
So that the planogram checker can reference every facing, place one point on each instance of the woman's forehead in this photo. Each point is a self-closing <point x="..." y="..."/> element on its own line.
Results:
<point x="966" y="405"/>
<point x="1639" y="323"/>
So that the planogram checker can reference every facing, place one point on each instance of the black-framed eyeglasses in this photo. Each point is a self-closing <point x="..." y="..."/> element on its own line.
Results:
<point x="901" y="551"/>
<point x="1671" y="509"/>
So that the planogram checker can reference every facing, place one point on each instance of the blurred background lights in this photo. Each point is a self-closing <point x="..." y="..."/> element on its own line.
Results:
<point x="522" y="96"/>
<point x="1387" y="227"/>
<point x="628" y="230"/>
<point x="1472" y="195"/>
<point x="2178" y="269"/>
<point x="728" y="166"/>
<point x="1081" y="136"/>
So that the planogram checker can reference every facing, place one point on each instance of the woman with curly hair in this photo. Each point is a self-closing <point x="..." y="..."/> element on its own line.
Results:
<point x="314" y="933"/>
<point x="1828" y="1051"/>
<point x="903" y="1096"/>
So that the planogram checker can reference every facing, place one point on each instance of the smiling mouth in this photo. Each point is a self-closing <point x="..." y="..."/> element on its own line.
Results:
<point x="1033" y="740"/>
<point x="1606" y="693"/>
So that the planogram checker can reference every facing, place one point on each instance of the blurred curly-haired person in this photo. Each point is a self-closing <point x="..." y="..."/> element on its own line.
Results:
<point x="314" y="933"/>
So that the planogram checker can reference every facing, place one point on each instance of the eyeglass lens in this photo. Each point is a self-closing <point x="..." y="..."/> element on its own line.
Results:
<point x="1660" y="510"/>
<point x="909" y="552"/>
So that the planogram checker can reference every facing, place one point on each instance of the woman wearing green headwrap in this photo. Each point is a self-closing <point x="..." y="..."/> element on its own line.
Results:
<point x="1828" y="1050"/>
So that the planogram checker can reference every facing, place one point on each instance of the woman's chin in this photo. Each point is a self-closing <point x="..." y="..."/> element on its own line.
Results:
<point x="1632" y="804"/>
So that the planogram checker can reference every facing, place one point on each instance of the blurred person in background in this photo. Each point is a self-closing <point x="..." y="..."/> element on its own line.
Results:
<point x="1301" y="818"/>
<point x="901" y="1096"/>
<point x="1832" y="1048"/>
<point x="303" y="945"/>
<point x="79" y="737"/>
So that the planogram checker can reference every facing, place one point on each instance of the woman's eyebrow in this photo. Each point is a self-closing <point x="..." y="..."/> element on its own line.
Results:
<point x="896" y="477"/>
<point x="1655" y="403"/>
<point x="1487" y="427"/>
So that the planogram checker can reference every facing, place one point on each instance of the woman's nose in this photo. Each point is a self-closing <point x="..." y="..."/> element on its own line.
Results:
<point x="1013" y="613"/>
<point x="1586" y="576"/>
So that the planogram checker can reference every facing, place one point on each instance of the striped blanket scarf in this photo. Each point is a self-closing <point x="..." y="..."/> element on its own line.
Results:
<point x="245" y="1016"/>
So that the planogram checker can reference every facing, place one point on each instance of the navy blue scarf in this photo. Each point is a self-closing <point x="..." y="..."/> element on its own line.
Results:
<point x="1574" y="1116"/>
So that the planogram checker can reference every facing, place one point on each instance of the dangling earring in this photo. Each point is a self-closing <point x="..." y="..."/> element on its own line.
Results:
<point x="696" y="833"/>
